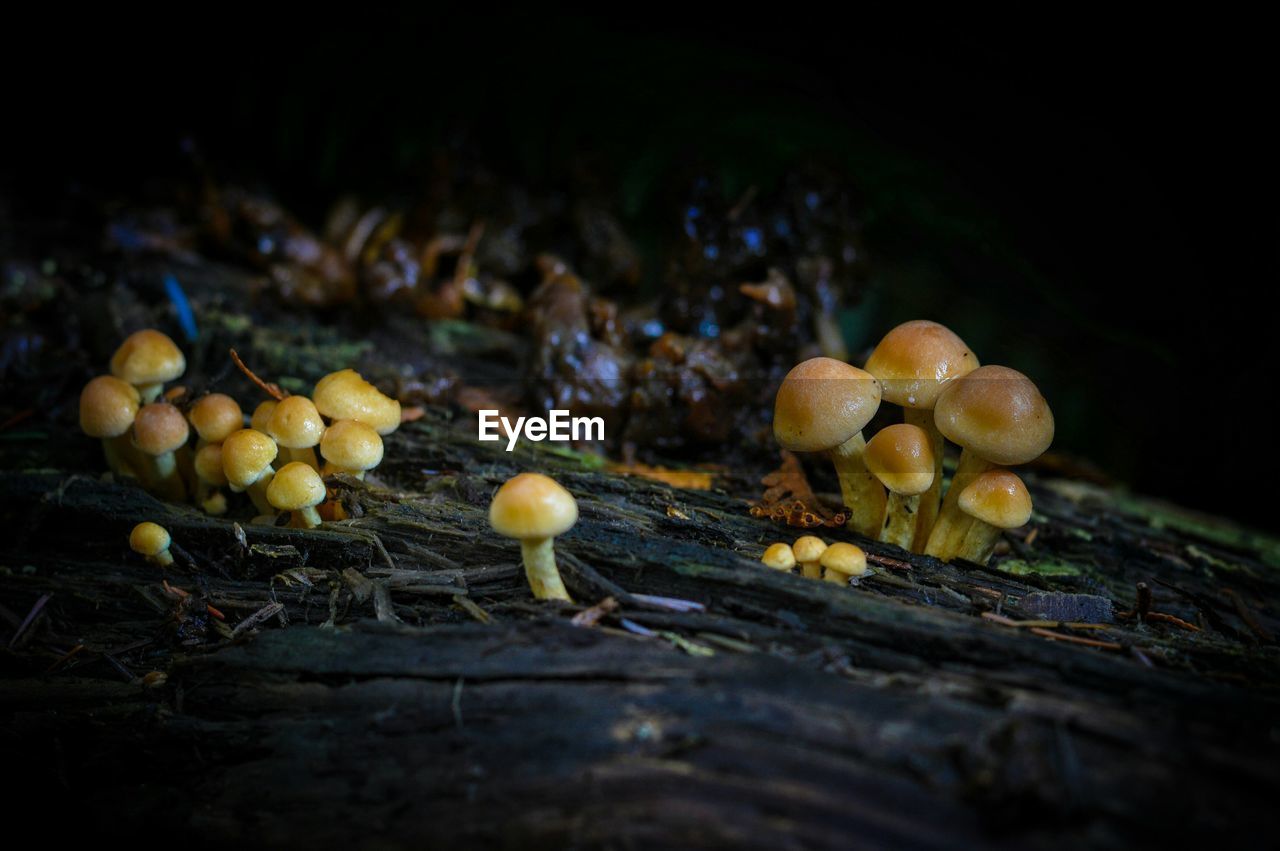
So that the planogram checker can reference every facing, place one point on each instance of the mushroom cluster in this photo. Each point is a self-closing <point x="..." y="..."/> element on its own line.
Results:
<point x="892" y="483"/>
<point x="146" y="435"/>
<point x="838" y="563"/>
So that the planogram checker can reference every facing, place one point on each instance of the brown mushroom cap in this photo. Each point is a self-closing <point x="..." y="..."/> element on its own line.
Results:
<point x="215" y="417"/>
<point x="345" y="395"/>
<point x="295" y="423"/>
<point x="997" y="413"/>
<point x="208" y="464"/>
<point x="352" y="445"/>
<point x="844" y="558"/>
<point x="262" y="415"/>
<point x="998" y="498"/>
<point x="809" y="548"/>
<point x="108" y="406"/>
<point x="148" y="357"/>
<point x="822" y="403"/>
<point x="246" y="455"/>
<point x="779" y="557"/>
<point x="914" y="361"/>
<point x="295" y="486"/>
<point x="532" y="505"/>
<point x="149" y="539"/>
<point x="901" y="457"/>
<point x="160" y="428"/>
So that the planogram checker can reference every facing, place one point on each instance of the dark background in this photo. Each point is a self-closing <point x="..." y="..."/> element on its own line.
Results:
<point x="1091" y="205"/>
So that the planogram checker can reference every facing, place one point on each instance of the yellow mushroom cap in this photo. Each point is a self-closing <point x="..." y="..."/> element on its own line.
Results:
<point x="215" y="416"/>
<point x="149" y="539"/>
<point x="296" y="485"/>
<point x="208" y="464"/>
<point x="351" y="445"/>
<point x="246" y="455"/>
<point x="844" y="558"/>
<point x="822" y="403"/>
<point x="914" y="361"/>
<point x="148" y="357"/>
<point x="808" y="548"/>
<point x="532" y="505"/>
<point x="262" y="415"/>
<point x="998" y="498"/>
<point x="108" y="406"/>
<point x="295" y="423"/>
<point x="901" y="457"/>
<point x="160" y="428"/>
<point x="779" y="557"/>
<point x="997" y="413"/>
<point x="345" y="395"/>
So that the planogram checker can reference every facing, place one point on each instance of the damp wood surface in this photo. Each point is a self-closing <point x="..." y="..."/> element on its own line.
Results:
<point x="389" y="680"/>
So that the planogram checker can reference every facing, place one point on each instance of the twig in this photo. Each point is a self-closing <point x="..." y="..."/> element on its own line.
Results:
<point x="29" y="619"/>
<point x="272" y="390"/>
<point x="265" y="613"/>
<point x="886" y="561"/>
<point x="1073" y="639"/>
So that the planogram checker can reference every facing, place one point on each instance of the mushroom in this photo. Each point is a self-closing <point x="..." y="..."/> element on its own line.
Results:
<point x="151" y="540"/>
<point x="108" y="407"/>
<point x="534" y="509"/>
<point x="345" y="395"/>
<point x="901" y="457"/>
<point x="159" y="431"/>
<point x="296" y="426"/>
<point x="214" y="417"/>
<point x="808" y="551"/>
<point x="822" y="406"/>
<point x="209" y="477"/>
<point x="147" y="359"/>
<point x="994" y="501"/>
<point x="262" y="415"/>
<point x="297" y="487"/>
<point x="997" y="415"/>
<point x="842" y="562"/>
<point x="913" y="363"/>
<point x="779" y="557"/>
<point x="351" y="447"/>
<point x="246" y="460"/>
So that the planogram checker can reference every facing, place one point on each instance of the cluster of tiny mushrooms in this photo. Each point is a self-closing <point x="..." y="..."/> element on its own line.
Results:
<point x="892" y="484"/>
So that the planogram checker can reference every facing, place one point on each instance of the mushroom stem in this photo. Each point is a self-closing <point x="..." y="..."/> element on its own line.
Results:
<point x="930" y="500"/>
<point x="863" y="495"/>
<point x="305" y="518"/>
<point x="258" y="493"/>
<point x="901" y="519"/>
<point x="164" y="478"/>
<point x="949" y="530"/>
<point x="121" y="457"/>
<point x="835" y="577"/>
<point x="540" y="568"/>
<point x="306" y="456"/>
<point x="811" y="569"/>
<point x="979" y="542"/>
<point x="148" y="393"/>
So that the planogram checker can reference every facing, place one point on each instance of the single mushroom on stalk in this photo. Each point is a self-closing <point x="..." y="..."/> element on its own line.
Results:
<point x="534" y="509"/>
<point x="246" y="460"/>
<point x="214" y="417"/>
<point x="108" y="407"/>
<point x="345" y="395"/>
<point x="914" y="362"/>
<point x="262" y="415"/>
<point x="151" y="540"/>
<point x="901" y="457"/>
<point x="779" y="557"/>
<point x="159" y="431"/>
<point x="998" y="417"/>
<point x="822" y="406"/>
<point x="296" y="427"/>
<point x="350" y="447"/>
<point x="842" y="562"/>
<point x="147" y="359"/>
<point x="994" y="501"/>
<point x="296" y="487"/>
<point x="808" y="550"/>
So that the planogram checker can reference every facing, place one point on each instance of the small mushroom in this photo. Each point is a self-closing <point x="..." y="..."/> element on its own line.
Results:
<point x="147" y="359"/>
<point x="262" y="415"/>
<point x="994" y="501"/>
<point x="822" y="406"/>
<point x="842" y="562"/>
<point x="246" y="460"/>
<point x="209" y="477"/>
<point x="345" y="395"/>
<point x="779" y="556"/>
<point x="159" y="431"/>
<point x="108" y="407"/>
<point x="901" y="457"/>
<point x="808" y="550"/>
<point x="214" y="417"/>
<point x="534" y="509"/>
<point x="351" y="447"/>
<point x="997" y="415"/>
<point x="295" y="425"/>
<point x="151" y="540"/>
<point x="297" y="487"/>
<point x="914" y="362"/>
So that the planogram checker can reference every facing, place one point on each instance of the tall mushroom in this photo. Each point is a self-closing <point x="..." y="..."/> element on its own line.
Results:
<point x="534" y="509"/>
<point x="296" y="487"/>
<point x="998" y="417"/>
<point x="914" y="362"/>
<point x="295" y="426"/>
<point x="147" y="359"/>
<point x="901" y="457"/>
<point x="345" y="395"/>
<point x="246" y="460"/>
<point x="822" y="406"/>
<point x="108" y="407"/>
<point x="994" y="501"/>
<point x="159" y="431"/>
